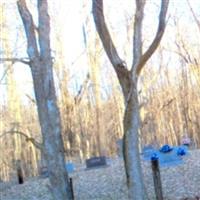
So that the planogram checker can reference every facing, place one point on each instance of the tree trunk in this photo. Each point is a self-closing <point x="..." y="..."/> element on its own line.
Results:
<point x="49" y="118"/>
<point x="39" y="52"/>
<point x="136" y="188"/>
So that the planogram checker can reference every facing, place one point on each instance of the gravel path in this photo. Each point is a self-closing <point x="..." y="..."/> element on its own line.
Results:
<point x="108" y="183"/>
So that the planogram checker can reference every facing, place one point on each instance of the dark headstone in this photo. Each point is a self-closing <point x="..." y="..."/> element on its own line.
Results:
<point x="71" y="187"/>
<point x="96" y="162"/>
<point x="20" y="174"/>
<point x="156" y="178"/>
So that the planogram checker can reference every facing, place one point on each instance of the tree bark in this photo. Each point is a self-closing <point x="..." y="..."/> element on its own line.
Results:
<point x="49" y="118"/>
<point x="43" y="81"/>
<point x="136" y="187"/>
<point x="128" y="81"/>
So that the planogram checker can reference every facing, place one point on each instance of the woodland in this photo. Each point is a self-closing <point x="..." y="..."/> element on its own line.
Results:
<point x="67" y="95"/>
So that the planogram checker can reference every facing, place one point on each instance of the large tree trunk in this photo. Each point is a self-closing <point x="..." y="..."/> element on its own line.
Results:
<point x="49" y="118"/>
<point x="41" y="65"/>
<point x="136" y="188"/>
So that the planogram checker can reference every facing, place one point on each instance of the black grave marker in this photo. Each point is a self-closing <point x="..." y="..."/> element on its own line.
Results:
<point x="20" y="174"/>
<point x="96" y="162"/>
<point x="156" y="178"/>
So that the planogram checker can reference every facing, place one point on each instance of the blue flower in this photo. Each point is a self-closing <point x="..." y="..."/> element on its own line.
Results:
<point x="166" y="148"/>
<point x="181" y="151"/>
<point x="154" y="157"/>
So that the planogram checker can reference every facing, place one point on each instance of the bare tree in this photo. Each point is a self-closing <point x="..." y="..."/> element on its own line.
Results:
<point x="41" y="65"/>
<point x="129" y="80"/>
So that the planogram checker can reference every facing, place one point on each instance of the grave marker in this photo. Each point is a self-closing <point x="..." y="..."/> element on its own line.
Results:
<point x="171" y="157"/>
<point x="20" y="174"/>
<point x="156" y="177"/>
<point x="96" y="162"/>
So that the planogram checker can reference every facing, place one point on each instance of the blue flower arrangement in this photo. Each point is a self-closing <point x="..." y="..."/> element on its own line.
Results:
<point x="181" y="151"/>
<point x="166" y="148"/>
<point x="154" y="157"/>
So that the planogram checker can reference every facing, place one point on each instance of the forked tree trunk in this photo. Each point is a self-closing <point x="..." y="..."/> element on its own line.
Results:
<point x="128" y="81"/>
<point x="41" y="65"/>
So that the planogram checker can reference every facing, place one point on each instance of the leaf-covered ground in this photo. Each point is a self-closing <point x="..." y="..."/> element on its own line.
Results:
<point x="179" y="182"/>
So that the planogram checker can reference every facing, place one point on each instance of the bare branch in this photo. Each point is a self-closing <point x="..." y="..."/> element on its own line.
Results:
<point x="158" y="37"/>
<point x="137" y="38"/>
<point x="29" y="26"/>
<point x="14" y="60"/>
<point x="30" y="98"/>
<point x="183" y="52"/>
<point x="104" y="34"/>
<point x="118" y="64"/>
<point x="44" y="30"/>
<point x="167" y="103"/>
<point x="81" y="91"/>
<point x="6" y="163"/>
<point x="4" y="74"/>
<point x="32" y="140"/>
<point x="194" y="15"/>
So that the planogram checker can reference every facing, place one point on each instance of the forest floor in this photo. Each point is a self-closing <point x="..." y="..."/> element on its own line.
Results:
<point x="179" y="182"/>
